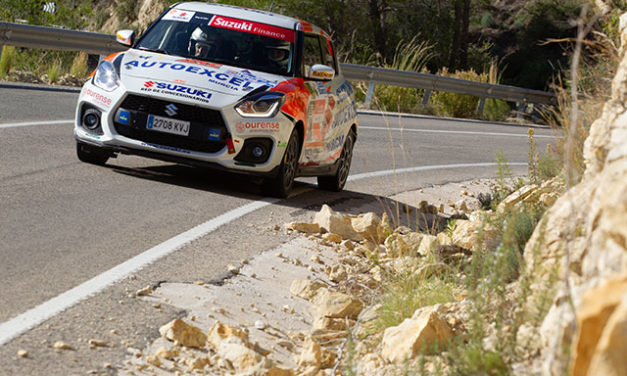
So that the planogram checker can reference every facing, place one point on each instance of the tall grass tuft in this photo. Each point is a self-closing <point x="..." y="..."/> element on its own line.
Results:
<point x="54" y="71"/>
<point x="410" y="56"/>
<point x="406" y="293"/>
<point x="495" y="109"/>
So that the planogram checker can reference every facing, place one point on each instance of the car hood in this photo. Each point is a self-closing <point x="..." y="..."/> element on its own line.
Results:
<point x="142" y="68"/>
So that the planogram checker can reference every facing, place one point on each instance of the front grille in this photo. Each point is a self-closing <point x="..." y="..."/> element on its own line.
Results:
<point x="203" y="122"/>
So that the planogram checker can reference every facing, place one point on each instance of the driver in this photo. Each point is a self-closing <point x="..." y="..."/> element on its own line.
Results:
<point x="204" y="44"/>
<point x="277" y="56"/>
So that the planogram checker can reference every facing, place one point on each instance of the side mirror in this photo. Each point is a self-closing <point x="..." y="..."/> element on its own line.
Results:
<point x="321" y="72"/>
<point x="125" y="37"/>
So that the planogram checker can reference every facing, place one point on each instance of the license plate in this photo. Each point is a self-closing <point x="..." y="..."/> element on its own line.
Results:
<point x="167" y="125"/>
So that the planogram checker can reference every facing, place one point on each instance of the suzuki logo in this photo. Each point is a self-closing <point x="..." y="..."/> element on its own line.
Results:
<point x="148" y="84"/>
<point x="171" y="109"/>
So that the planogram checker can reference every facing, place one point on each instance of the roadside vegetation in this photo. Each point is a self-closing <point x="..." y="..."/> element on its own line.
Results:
<point x="497" y="42"/>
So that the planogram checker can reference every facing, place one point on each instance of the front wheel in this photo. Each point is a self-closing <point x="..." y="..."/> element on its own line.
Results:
<point x="281" y="185"/>
<point x="336" y="182"/>
<point x="91" y="154"/>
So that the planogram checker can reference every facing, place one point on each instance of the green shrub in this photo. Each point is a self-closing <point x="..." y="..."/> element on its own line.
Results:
<point x="549" y="165"/>
<point x="126" y="10"/>
<point x="457" y="105"/>
<point x="396" y="98"/>
<point x="496" y="110"/>
<point x="472" y="359"/>
<point x="517" y="227"/>
<point x="7" y="61"/>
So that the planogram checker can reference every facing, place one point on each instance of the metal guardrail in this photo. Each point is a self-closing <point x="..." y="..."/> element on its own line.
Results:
<point x="441" y="83"/>
<point x="104" y="44"/>
<point x="57" y="39"/>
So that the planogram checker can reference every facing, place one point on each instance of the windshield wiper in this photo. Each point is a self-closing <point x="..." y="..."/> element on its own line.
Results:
<point x="157" y="50"/>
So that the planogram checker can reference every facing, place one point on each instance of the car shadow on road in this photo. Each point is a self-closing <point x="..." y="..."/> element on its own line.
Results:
<point x="305" y="196"/>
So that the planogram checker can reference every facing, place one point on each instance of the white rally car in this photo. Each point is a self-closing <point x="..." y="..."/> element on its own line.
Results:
<point x="227" y="87"/>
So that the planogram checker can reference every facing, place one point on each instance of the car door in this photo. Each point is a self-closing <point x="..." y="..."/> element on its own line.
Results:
<point x="323" y="142"/>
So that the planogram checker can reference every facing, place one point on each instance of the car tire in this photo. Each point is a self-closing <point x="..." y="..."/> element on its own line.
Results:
<point x="336" y="182"/>
<point x="280" y="185"/>
<point x="91" y="154"/>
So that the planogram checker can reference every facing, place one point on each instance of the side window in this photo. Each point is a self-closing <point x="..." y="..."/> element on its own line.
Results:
<point x="311" y="52"/>
<point x="327" y="53"/>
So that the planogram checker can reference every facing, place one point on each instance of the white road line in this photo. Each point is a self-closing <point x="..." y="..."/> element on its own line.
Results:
<point x="27" y="124"/>
<point x="35" y="316"/>
<point x="425" y="168"/>
<point x="455" y="132"/>
<point x="50" y="308"/>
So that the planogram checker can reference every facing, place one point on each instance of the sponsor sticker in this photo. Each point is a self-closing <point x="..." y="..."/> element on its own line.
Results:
<point x="176" y="90"/>
<point x="200" y="62"/>
<point x="319" y="106"/>
<point x="247" y="76"/>
<point x="257" y="126"/>
<point x="179" y="15"/>
<point x="253" y="28"/>
<point x="214" y="76"/>
<point x="345" y="91"/>
<point x="335" y="143"/>
<point x="98" y="98"/>
<point x="123" y="117"/>
<point x="214" y="134"/>
<point x="344" y="115"/>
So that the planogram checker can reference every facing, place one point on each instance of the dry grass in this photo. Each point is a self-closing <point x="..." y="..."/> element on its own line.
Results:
<point x="79" y="66"/>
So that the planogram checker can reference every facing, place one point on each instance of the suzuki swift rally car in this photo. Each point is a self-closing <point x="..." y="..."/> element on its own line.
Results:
<point x="226" y="87"/>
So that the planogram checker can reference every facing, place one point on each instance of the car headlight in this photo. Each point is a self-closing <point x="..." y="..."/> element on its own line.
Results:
<point x="106" y="77"/>
<point x="261" y="105"/>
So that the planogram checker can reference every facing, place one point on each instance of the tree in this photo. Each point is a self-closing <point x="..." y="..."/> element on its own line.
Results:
<point x="458" y="57"/>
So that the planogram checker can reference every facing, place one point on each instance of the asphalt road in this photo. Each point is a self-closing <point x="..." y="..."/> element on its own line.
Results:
<point x="63" y="222"/>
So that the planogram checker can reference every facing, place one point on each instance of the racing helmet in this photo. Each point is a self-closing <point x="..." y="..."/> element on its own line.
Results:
<point x="202" y="42"/>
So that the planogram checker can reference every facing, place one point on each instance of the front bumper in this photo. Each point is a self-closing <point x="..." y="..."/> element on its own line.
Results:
<point x="205" y="146"/>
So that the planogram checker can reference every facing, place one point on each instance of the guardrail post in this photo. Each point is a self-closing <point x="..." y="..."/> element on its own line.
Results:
<point x="369" y="94"/>
<point x="480" y="107"/>
<point x="521" y="109"/>
<point x="426" y="96"/>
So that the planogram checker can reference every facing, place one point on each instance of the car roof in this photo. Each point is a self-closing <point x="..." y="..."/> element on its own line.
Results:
<point x="250" y="14"/>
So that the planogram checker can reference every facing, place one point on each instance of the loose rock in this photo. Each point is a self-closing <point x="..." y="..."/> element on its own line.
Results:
<point x="184" y="334"/>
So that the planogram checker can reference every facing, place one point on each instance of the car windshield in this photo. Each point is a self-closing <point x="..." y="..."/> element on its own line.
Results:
<point x="224" y="40"/>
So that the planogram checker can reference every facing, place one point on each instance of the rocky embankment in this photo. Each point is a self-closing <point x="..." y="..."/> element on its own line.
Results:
<point x="323" y="323"/>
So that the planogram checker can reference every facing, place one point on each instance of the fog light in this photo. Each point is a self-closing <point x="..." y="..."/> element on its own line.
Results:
<point x="91" y="119"/>
<point x="257" y="151"/>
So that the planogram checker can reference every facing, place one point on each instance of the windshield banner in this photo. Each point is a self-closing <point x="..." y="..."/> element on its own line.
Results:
<point x="253" y="28"/>
<point x="178" y="15"/>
